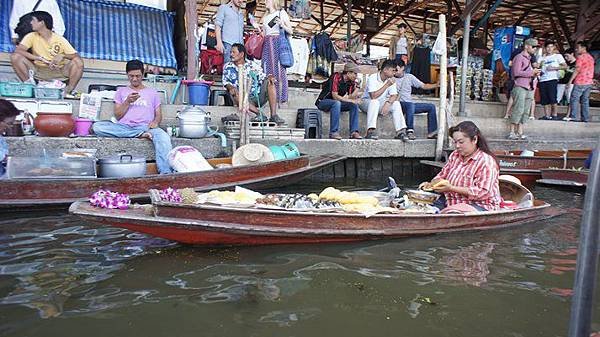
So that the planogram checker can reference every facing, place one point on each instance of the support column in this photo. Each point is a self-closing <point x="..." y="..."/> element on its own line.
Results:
<point x="442" y="124"/>
<point x="465" y="58"/>
<point x="191" y="19"/>
<point x="349" y="26"/>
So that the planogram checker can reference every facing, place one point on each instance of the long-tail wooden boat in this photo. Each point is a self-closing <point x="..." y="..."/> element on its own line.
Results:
<point x="218" y="225"/>
<point x="527" y="168"/>
<point x="27" y="193"/>
<point x="564" y="177"/>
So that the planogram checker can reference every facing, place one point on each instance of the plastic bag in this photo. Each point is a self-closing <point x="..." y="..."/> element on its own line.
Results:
<point x="254" y="46"/>
<point x="187" y="159"/>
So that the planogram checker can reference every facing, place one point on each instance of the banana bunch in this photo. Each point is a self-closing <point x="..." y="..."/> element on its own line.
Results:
<point x="347" y="198"/>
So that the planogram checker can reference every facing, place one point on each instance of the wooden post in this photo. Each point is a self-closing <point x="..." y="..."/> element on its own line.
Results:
<point x="242" y="106"/>
<point x="465" y="58"/>
<point x="348" y="25"/>
<point x="442" y="127"/>
<point x="191" y="19"/>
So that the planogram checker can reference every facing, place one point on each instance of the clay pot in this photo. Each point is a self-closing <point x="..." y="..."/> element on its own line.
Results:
<point x="48" y="124"/>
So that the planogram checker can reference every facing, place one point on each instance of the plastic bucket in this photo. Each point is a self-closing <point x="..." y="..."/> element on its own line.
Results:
<point x="82" y="126"/>
<point x="199" y="93"/>
<point x="285" y="151"/>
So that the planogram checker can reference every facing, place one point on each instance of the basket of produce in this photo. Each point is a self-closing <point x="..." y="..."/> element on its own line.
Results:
<point x="48" y="93"/>
<point x="16" y="89"/>
<point x="422" y="197"/>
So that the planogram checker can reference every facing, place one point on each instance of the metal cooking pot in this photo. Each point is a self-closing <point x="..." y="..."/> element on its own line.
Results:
<point x="194" y="123"/>
<point x="122" y="166"/>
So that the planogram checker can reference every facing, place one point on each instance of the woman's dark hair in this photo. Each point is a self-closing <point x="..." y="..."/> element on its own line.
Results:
<point x="7" y="109"/>
<point x="471" y="130"/>
<point x="134" y="65"/>
<point x="44" y="16"/>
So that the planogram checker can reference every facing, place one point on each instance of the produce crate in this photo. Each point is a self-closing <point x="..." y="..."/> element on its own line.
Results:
<point x="48" y="93"/>
<point x="16" y="89"/>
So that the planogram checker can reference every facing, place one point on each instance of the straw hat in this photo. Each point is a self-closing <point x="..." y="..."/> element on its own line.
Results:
<point x="252" y="154"/>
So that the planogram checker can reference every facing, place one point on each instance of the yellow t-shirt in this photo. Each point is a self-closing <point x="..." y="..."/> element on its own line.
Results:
<point x="48" y="49"/>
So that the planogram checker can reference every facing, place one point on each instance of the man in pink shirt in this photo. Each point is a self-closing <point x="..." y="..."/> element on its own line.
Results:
<point x="582" y="79"/>
<point x="523" y="74"/>
<point x="138" y="114"/>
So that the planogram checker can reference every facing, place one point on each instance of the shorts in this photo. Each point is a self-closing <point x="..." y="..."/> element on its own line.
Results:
<point x="263" y="96"/>
<point x="548" y="92"/>
<point x="521" y="105"/>
<point x="48" y="74"/>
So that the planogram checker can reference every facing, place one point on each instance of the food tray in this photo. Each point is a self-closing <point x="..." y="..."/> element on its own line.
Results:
<point x="15" y="89"/>
<point x="48" y="93"/>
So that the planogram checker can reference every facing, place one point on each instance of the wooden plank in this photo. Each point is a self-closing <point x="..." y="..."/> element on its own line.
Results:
<point x="191" y="18"/>
<point x="387" y="168"/>
<point x="339" y="170"/>
<point x="350" y="168"/>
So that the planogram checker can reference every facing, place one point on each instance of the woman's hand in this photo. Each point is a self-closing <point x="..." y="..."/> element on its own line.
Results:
<point x="443" y="188"/>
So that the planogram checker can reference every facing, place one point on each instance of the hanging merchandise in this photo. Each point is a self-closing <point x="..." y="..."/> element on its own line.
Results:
<point x="421" y="66"/>
<point x="254" y="45"/>
<point x="300" y="9"/>
<point x="301" y="55"/>
<point x="323" y="46"/>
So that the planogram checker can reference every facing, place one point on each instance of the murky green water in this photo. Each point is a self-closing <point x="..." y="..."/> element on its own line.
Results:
<point x="62" y="277"/>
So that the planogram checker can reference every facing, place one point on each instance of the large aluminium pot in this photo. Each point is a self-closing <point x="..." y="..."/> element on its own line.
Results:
<point x="194" y="123"/>
<point x="122" y="166"/>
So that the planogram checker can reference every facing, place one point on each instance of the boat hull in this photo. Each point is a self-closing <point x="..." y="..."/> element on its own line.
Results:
<point x="27" y="193"/>
<point x="564" y="178"/>
<point x="232" y="226"/>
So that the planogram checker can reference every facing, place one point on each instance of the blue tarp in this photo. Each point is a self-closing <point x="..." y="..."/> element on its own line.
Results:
<point x="119" y="31"/>
<point x="109" y="30"/>
<point x="6" y="44"/>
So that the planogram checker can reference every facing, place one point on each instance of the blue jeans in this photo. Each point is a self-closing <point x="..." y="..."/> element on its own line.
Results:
<point x="162" y="141"/>
<point x="581" y="95"/>
<point x="226" y="52"/>
<point x="410" y="109"/>
<point x="335" y="107"/>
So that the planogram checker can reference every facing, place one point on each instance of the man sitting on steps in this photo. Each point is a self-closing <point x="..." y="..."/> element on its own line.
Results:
<point x="405" y="82"/>
<point x="52" y="56"/>
<point x="138" y="114"/>
<point x="262" y="88"/>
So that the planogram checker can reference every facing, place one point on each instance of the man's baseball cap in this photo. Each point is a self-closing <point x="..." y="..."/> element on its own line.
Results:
<point x="351" y="67"/>
<point x="531" y="42"/>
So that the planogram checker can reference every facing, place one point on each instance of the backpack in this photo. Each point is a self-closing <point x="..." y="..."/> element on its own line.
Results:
<point x="24" y="26"/>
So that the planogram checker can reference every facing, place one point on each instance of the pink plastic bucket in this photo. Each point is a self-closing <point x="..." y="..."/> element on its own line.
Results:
<point x="82" y="126"/>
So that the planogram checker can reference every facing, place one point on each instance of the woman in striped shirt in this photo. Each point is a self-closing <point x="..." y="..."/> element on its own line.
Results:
<point x="471" y="173"/>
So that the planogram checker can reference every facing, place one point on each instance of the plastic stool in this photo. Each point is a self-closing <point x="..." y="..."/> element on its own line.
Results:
<point x="311" y="121"/>
<point x="215" y="94"/>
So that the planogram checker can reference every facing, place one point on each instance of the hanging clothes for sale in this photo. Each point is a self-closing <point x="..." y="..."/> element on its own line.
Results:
<point x="301" y="54"/>
<point x="421" y="67"/>
<point x="323" y="47"/>
<point x="300" y="9"/>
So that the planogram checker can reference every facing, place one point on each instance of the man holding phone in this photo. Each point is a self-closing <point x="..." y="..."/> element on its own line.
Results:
<point x="138" y="114"/>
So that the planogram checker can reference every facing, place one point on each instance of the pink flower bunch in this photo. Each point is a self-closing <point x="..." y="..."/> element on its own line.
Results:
<point x="170" y="194"/>
<point x="108" y="199"/>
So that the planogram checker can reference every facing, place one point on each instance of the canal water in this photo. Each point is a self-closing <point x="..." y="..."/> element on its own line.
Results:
<point x="60" y="276"/>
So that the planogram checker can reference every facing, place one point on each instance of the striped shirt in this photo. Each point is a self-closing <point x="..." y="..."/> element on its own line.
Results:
<point x="479" y="173"/>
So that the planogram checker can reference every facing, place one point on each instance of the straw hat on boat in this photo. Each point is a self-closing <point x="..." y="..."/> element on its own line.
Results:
<point x="252" y="154"/>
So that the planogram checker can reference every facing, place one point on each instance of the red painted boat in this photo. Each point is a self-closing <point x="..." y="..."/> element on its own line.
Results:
<point x="218" y="225"/>
<point x="564" y="177"/>
<point x="527" y="168"/>
<point x="27" y="193"/>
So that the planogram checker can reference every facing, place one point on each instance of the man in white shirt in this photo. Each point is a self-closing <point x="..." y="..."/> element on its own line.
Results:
<point x="381" y="97"/>
<point x="21" y="8"/>
<point x="551" y="63"/>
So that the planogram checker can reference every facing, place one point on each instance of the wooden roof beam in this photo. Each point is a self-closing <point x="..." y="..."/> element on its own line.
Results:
<point x="562" y="22"/>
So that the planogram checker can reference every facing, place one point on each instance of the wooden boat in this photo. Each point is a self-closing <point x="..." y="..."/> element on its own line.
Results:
<point x="218" y="225"/>
<point x="26" y="193"/>
<point x="527" y="169"/>
<point x="564" y="177"/>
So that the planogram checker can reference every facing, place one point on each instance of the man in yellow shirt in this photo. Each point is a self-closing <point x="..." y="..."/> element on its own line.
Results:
<point x="51" y="57"/>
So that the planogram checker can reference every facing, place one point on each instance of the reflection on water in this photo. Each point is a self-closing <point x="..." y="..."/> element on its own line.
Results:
<point x="61" y="276"/>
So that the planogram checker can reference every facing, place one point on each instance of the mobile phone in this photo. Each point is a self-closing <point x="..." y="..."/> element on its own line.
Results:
<point x="273" y="22"/>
